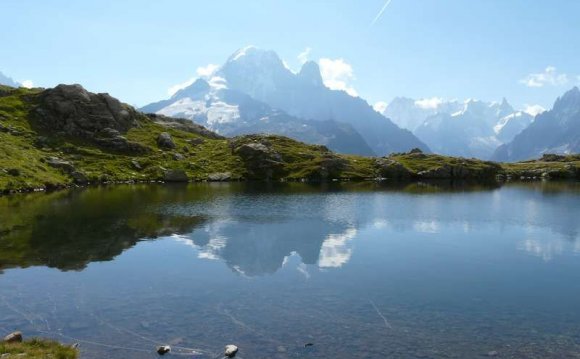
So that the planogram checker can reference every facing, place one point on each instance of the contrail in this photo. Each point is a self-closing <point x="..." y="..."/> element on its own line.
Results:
<point x="380" y="13"/>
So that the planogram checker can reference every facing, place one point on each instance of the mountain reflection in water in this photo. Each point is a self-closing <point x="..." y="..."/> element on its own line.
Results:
<point x="253" y="229"/>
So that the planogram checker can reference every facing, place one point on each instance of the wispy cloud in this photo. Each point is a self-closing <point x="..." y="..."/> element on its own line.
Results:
<point x="337" y="75"/>
<point x="549" y="77"/>
<point x="304" y="55"/>
<point x="380" y="13"/>
<point x="202" y="71"/>
<point x="429" y="103"/>
<point x="380" y="106"/>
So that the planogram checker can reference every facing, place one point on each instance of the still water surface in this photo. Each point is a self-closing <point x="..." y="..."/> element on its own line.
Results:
<point x="358" y="270"/>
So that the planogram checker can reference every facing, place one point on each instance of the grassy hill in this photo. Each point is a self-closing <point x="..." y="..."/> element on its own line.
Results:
<point x="67" y="136"/>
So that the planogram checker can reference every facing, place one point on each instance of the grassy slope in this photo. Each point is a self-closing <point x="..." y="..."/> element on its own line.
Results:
<point x="22" y="162"/>
<point x="38" y="349"/>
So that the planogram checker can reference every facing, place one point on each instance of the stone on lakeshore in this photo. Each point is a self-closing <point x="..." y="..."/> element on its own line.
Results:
<point x="231" y="351"/>
<point x="15" y="337"/>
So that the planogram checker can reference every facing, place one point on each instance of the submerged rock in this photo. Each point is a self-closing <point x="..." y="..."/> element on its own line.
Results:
<point x="15" y="337"/>
<point x="231" y="351"/>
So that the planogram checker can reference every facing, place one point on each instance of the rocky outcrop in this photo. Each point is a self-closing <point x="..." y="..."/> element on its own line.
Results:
<point x="331" y="166"/>
<point x="175" y="176"/>
<point x="260" y="160"/>
<point x="220" y="176"/>
<point x="391" y="169"/>
<point x="71" y="110"/>
<point x="183" y="125"/>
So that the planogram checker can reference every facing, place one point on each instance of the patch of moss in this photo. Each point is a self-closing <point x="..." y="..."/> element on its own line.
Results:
<point x="38" y="349"/>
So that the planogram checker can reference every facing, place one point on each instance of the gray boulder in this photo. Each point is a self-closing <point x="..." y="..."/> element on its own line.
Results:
<point x="165" y="141"/>
<point x="75" y="111"/>
<point x="175" y="176"/>
<point x="56" y="162"/>
<point x="218" y="177"/>
<point x="15" y="337"/>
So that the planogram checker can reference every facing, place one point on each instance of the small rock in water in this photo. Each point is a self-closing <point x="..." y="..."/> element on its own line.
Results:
<point x="15" y="337"/>
<point x="492" y="353"/>
<point x="308" y="345"/>
<point x="231" y="351"/>
<point x="164" y="349"/>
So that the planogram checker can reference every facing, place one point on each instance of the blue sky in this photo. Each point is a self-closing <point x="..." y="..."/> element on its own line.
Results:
<point x="525" y="50"/>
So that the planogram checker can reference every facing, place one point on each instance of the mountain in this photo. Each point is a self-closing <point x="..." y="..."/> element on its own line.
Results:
<point x="7" y="81"/>
<point x="232" y="113"/>
<point x="410" y="114"/>
<point x="470" y="129"/>
<point x="555" y="131"/>
<point x="262" y="76"/>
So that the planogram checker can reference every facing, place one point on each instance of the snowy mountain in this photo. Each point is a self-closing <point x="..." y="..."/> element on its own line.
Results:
<point x="5" y="80"/>
<point x="298" y="105"/>
<point x="229" y="112"/>
<point x="470" y="129"/>
<point x="554" y="131"/>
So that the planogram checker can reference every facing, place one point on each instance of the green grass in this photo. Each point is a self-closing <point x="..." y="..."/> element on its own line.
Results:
<point x="38" y="349"/>
<point x="23" y="155"/>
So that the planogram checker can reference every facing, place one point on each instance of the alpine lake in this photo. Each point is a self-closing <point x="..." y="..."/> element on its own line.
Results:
<point x="294" y="270"/>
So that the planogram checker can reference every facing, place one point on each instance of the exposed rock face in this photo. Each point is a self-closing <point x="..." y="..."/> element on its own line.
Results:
<point x="73" y="111"/>
<point x="331" y="166"/>
<point x="391" y="169"/>
<point x="183" y="125"/>
<point x="175" y="176"/>
<point x="165" y="141"/>
<point x="261" y="161"/>
<point x="60" y="164"/>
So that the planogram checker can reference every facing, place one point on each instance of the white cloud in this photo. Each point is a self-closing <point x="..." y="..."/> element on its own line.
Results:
<point x="429" y="103"/>
<point x="533" y="110"/>
<point x="304" y="55"/>
<point x="27" y="83"/>
<point x="202" y="71"/>
<point x="173" y="89"/>
<point x="206" y="71"/>
<point x="337" y="75"/>
<point x="550" y="76"/>
<point x="380" y="106"/>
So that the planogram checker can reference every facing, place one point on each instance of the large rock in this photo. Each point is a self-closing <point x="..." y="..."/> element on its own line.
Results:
<point x="391" y="169"/>
<point x="75" y="111"/>
<point x="175" y="176"/>
<point x="260" y="160"/>
<point x="15" y="337"/>
<point x="56" y="162"/>
<point x="220" y="177"/>
<point x="165" y="141"/>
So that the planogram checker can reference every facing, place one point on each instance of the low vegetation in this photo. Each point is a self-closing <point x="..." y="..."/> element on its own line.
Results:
<point x="66" y="136"/>
<point x="37" y="349"/>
